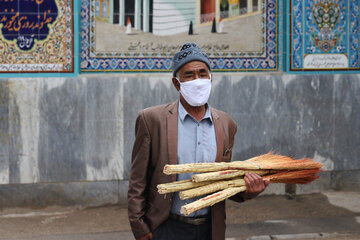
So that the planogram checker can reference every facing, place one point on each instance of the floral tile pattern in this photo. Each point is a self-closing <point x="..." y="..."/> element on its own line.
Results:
<point x="324" y="35"/>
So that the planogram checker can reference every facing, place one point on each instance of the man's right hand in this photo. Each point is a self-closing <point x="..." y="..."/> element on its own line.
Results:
<point x="146" y="237"/>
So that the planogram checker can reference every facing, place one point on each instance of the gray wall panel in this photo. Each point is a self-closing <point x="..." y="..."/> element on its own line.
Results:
<point x="61" y="140"/>
<point x="103" y="129"/>
<point x="347" y="122"/>
<point x="310" y="105"/>
<point x="15" y="141"/>
<point x="251" y="97"/>
<point x="4" y="132"/>
<point x="221" y="93"/>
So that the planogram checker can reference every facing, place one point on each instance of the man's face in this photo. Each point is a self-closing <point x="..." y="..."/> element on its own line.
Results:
<point x="191" y="71"/>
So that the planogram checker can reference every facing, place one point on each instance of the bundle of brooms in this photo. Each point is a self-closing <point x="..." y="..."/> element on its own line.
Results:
<point x="225" y="179"/>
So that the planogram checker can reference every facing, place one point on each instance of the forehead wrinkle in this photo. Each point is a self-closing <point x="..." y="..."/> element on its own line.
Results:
<point x="201" y="70"/>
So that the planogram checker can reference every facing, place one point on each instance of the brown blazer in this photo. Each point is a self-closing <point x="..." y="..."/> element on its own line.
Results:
<point x="156" y="145"/>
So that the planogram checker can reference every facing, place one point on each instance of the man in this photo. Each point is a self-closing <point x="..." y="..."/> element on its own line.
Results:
<point x="185" y="131"/>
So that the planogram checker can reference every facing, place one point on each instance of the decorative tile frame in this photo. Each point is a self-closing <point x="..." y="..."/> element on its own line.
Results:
<point x="53" y="53"/>
<point x="315" y="46"/>
<point x="264" y="60"/>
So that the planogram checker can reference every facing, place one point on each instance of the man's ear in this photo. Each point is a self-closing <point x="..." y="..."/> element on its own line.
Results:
<point x="211" y="77"/>
<point x="176" y="83"/>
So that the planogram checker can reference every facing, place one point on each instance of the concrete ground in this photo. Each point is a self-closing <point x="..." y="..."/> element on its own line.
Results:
<point x="330" y="215"/>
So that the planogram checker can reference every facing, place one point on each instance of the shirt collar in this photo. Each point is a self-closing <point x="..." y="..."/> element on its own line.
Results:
<point x="183" y="113"/>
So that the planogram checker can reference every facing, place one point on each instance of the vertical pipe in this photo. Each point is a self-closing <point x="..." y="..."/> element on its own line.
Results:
<point x="122" y="12"/>
<point x="137" y="17"/>
<point x="146" y="15"/>
<point x="111" y="11"/>
<point x="198" y="13"/>
<point x="249" y="6"/>
<point x="290" y="191"/>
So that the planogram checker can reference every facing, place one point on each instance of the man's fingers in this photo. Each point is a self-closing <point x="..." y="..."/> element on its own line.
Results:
<point x="248" y="182"/>
<point x="255" y="183"/>
<point x="254" y="178"/>
<point x="250" y="176"/>
<point x="250" y="179"/>
<point x="266" y="182"/>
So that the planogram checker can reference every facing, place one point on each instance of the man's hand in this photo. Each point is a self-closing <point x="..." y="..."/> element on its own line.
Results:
<point x="254" y="185"/>
<point x="146" y="237"/>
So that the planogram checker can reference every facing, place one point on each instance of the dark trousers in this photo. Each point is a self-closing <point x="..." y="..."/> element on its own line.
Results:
<point x="176" y="230"/>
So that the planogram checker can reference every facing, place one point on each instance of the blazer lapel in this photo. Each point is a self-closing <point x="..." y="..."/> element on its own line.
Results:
<point x="172" y="134"/>
<point x="219" y="136"/>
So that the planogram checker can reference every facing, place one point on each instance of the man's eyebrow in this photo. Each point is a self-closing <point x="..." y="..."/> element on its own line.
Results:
<point x="202" y="70"/>
<point x="189" y="72"/>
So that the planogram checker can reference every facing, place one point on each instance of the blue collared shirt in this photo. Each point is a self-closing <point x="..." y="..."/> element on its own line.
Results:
<point x="196" y="144"/>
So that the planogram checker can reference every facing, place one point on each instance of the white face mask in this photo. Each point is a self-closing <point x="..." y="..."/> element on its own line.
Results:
<point x="196" y="92"/>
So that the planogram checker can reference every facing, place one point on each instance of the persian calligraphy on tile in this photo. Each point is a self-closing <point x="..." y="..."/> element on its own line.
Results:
<point x="36" y="36"/>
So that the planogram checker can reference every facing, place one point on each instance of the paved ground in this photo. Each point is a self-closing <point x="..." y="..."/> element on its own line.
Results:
<point x="331" y="215"/>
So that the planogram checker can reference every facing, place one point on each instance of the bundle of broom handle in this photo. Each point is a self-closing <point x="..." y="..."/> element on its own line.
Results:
<point x="210" y="188"/>
<point x="179" y="186"/>
<point x="210" y="200"/>
<point x="202" y="179"/>
<point x="226" y="174"/>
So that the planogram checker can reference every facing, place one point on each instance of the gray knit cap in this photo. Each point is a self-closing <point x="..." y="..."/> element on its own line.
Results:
<point x="189" y="52"/>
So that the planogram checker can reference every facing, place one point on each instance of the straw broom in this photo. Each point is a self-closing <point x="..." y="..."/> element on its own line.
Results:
<point x="210" y="200"/>
<point x="265" y="161"/>
<point x="299" y="177"/>
<point x="227" y="174"/>
<point x="179" y="186"/>
<point x="210" y="188"/>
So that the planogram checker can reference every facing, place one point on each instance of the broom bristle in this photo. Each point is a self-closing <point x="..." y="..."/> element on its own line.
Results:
<point x="300" y="176"/>
<point x="303" y="180"/>
<point x="273" y="161"/>
<point x="260" y="157"/>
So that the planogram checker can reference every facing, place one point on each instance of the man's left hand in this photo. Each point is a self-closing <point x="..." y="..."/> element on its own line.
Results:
<point x="254" y="185"/>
